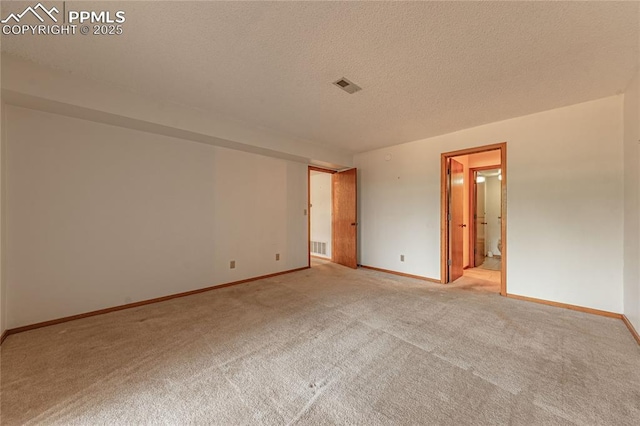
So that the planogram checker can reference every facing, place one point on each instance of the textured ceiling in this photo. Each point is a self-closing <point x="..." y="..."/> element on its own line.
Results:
<point x="424" y="68"/>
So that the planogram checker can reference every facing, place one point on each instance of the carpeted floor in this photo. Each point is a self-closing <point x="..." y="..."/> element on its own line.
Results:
<point x="327" y="345"/>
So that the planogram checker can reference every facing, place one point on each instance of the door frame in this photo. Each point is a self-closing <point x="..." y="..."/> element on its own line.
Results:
<point x="472" y="210"/>
<point x="444" y="209"/>
<point x="309" y="170"/>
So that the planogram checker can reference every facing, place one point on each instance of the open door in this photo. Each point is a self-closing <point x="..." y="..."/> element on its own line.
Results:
<point x="456" y="221"/>
<point x="345" y="218"/>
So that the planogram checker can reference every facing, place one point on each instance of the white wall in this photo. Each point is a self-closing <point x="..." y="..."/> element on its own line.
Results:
<point x="631" y="205"/>
<point x="3" y="287"/>
<point x="492" y="208"/>
<point x="29" y="85"/>
<point x="321" y="209"/>
<point x="564" y="176"/>
<point x="99" y="216"/>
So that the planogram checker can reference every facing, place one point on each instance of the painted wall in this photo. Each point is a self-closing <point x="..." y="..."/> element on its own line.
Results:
<point x="99" y="216"/>
<point x="483" y="159"/>
<point x="32" y="86"/>
<point x="492" y="209"/>
<point x="3" y="287"/>
<point x="631" y="202"/>
<point x="564" y="176"/>
<point x="321" y="209"/>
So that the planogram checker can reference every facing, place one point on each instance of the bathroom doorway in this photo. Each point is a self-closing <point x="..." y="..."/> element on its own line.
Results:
<point x="485" y="247"/>
<point x="485" y="216"/>
<point x="473" y="236"/>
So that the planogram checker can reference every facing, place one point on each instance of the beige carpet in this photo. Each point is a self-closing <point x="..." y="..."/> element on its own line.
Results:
<point x="326" y="346"/>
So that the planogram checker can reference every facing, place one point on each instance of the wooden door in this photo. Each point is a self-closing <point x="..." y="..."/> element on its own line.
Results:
<point x="345" y="218"/>
<point x="456" y="222"/>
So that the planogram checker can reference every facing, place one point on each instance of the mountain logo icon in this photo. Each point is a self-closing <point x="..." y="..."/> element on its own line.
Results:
<point x="34" y="11"/>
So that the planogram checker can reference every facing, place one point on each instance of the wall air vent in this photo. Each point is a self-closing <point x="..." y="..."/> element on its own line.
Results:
<point x="318" y="247"/>
<point x="347" y="86"/>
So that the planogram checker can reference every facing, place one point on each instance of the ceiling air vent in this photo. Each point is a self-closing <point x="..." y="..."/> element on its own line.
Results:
<point x="347" y="86"/>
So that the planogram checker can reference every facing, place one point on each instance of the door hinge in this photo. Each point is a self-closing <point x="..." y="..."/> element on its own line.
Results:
<point x="449" y="262"/>
<point x="449" y="217"/>
<point x="448" y="171"/>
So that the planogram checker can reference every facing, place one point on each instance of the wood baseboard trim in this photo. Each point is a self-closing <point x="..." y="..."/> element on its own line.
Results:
<point x="631" y="328"/>
<point x="402" y="274"/>
<point x="567" y="306"/>
<point x="141" y="303"/>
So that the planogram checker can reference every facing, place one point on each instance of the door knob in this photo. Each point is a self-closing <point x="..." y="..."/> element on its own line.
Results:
<point x="354" y="224"/>
<point x="464" y="225"/>
<point x="483" y="223"/>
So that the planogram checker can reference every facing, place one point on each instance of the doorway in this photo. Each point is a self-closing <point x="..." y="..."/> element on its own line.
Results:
<point x="332" y="217"/>
<point x="473" y="217"/>
<point x="320" y="214"/>
<point x="484" y="217"/>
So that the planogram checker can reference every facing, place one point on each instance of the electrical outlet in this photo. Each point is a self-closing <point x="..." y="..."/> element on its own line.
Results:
<point x="402" y="258"/>
<point x="232" y="264"/>
<point x="277" y="256"/>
